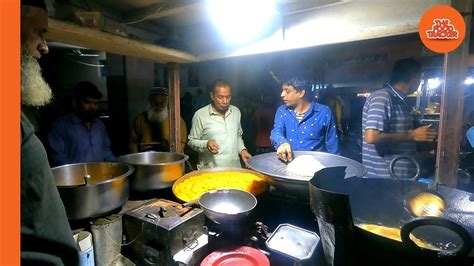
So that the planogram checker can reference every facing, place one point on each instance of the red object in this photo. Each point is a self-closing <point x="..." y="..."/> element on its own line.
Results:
<point x="241" y="256"/>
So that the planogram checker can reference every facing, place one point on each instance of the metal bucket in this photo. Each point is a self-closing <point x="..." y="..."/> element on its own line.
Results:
<point x="154" y="170"/>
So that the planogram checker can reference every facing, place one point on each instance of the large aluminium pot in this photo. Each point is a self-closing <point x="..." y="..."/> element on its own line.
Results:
<point x="348" y="204"/>
<point x="269" y="164"/>
<point x="90" y="190"/>
<point x="154" y="170"/>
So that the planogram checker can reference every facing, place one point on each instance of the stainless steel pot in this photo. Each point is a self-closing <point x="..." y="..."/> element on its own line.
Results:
<point x="90" y="190"/>
<point x="154" y="170"/>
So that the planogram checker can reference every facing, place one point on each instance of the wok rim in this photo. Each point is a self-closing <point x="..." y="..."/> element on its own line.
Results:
<point x="123" y="158"/>
<point x="130" y="171"/>
<point x="255" y="202"/>
<point x="293" y="180"/>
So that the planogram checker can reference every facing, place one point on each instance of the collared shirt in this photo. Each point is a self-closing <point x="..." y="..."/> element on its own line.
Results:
<point x="225" y="131"/>
<point x="315" y="132"/>
<point x="71" y="141"/>
<point x="153" y="136"/>
<point x="470" y="136"/>
<point x="386" y="111"/>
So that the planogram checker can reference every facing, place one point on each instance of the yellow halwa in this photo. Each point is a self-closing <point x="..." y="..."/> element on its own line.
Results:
<point x="193" y="187"/>
<point x="393" y="233"/>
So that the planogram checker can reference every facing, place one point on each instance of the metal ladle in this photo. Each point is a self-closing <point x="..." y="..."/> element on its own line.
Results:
<point x="87" y="179"/>
<point x="426" y="203"/>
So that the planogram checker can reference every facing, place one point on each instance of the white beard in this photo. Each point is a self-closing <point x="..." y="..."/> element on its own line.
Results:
<point x="156" y="115"/>
<point x="34" y="89"/>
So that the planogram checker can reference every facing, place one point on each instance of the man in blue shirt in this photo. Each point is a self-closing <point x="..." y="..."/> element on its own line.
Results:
<point x="301" y="124"/>
<point x="80" y="136"/>
<point x="470" y="131"/>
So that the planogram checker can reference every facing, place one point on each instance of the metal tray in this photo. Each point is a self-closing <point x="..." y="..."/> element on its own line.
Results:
<point x="292" y="241"/>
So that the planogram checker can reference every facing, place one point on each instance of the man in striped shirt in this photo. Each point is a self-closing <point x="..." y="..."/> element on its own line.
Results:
<point x="387" y="125"/>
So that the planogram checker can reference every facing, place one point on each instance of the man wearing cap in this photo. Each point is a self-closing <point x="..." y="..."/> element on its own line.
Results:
<point x="46" y="238"/>
<point x="216" y="133"/>
<point x="302" y="124"/>
<point x="80" y="136"/>
<point x="151" y="130"/>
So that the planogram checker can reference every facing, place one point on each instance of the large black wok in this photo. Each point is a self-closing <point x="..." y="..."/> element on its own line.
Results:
<point x="346" y="203"/>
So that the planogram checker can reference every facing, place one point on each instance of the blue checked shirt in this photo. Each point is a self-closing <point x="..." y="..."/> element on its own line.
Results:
<point x="315" y="132"/>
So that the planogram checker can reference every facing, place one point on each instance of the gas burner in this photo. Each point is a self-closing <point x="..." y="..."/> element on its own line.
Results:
<point x="253" y="235"/>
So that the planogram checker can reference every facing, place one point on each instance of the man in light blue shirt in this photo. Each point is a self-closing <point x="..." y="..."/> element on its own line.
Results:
<point x="216" y="133"/>
<point x="301" y="124"/>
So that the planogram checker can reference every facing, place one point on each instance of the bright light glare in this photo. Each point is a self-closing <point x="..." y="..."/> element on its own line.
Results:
<point x="469" y="81"/>
<point x="434" y="83"/>
<point x="241" y="21"/>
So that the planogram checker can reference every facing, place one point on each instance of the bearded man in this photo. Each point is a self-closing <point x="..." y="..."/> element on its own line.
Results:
<point x="46" y="237"/>
<point x="80" y="136"/>
<point x="151" y="129"/>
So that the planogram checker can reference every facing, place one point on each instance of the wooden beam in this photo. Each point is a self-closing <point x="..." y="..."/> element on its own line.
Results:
<point x="175" y="114"/>
<point x="155" y="12"/>
<point x="91" y="38"/>
<point x="452" y="103"/>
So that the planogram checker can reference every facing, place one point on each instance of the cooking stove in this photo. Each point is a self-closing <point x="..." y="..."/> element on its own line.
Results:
<point x="158" y="229"/>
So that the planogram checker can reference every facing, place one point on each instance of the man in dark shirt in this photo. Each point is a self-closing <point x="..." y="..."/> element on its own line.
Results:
<point x="46" y="238"/>
<point x="80" y="136"/>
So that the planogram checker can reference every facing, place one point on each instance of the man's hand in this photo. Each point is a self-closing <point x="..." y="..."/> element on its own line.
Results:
<point x="245" y="156"/>
<point x="284" y="152"/>
<point x="423" y="134"/>
<point x="212" y="147"/>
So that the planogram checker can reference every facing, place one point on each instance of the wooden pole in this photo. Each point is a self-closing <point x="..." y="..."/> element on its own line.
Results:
<point x="175" y="115"/>
<point x="452" y="103"/>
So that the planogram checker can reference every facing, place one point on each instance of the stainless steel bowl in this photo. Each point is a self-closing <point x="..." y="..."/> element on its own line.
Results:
<point x="154" y="170"/>
<point x="90" y="190"/>
<point x="225" y="206"/>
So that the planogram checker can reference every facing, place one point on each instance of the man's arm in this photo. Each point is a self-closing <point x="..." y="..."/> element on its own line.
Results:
<point x="184" y="134"/>
<point x="241" y="146"/>
<point x="108" y="155"/>
<point x="57" y="145"/>
<point x="374" y="136"/>
<point x="278" y="139"/>
<point x="134" y="137"/>
<point x="277" y="136"/>
<point x="240" y="141"/>
<point x="332" y="142"/>
<point x="421" y="134"/>
<point x="194" y="139"/>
